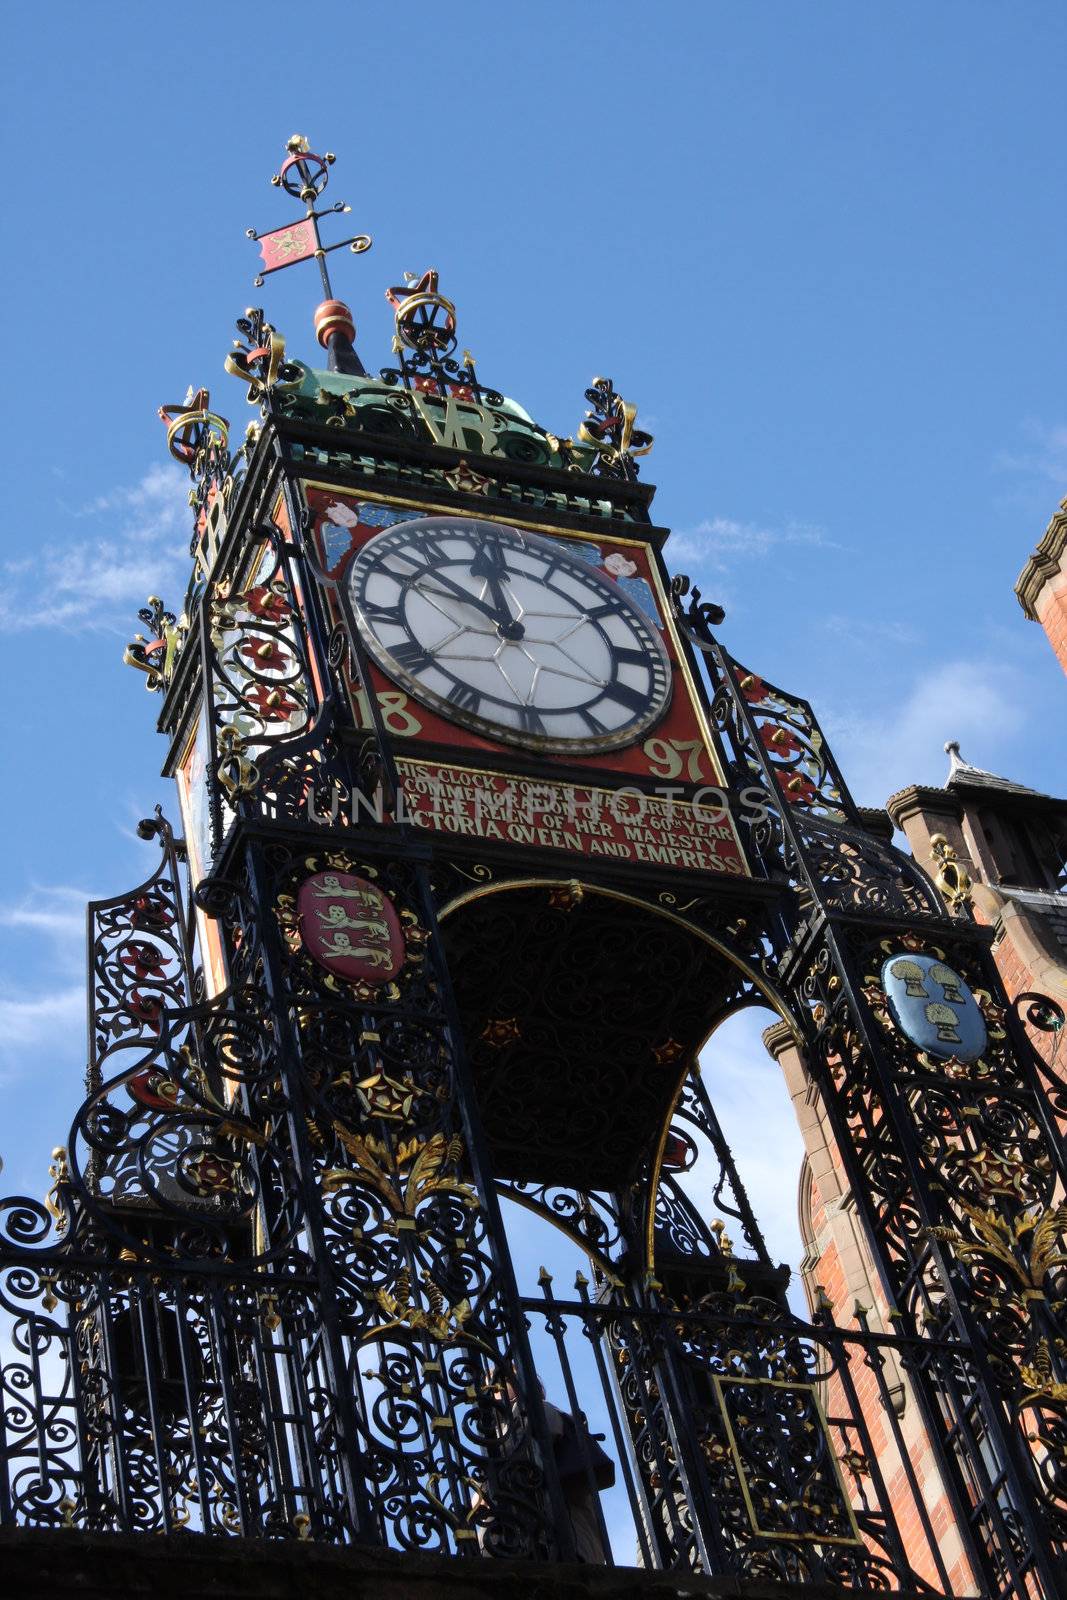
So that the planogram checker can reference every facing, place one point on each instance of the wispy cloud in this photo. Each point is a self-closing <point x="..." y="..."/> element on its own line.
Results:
<point x="868" y="632"/>
<point x="980" y="703"/>
<point x="140" y="547"/>
<point x="57" y="910"/>
<point x="25" y="1025"/>
<point x="1034" y="472"/>
<point x="720" y="542"/>
<point x="1042" y="455"/>
<point x="45" y="933"/>
<point x="158" y="501"/>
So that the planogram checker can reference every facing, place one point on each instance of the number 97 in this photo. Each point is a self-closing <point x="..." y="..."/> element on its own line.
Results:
<point x="668" y="758"/>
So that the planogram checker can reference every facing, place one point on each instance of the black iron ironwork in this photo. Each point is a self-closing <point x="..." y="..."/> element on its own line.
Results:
<point x="957" y="1167"/>
<point x="609" y="429"/>
<point x="771" y="1428"/>
<point x="425" y="342"/>
<point x="270" y="1290"/>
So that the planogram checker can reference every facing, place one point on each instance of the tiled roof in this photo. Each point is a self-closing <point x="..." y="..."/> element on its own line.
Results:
<point x="961" y="775"/>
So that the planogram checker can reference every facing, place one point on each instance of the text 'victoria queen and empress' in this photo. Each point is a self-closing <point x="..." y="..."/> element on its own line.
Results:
<point x="621" y="824"/>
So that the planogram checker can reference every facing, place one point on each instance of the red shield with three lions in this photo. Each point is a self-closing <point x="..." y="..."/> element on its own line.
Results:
<point x="350" y="927"/>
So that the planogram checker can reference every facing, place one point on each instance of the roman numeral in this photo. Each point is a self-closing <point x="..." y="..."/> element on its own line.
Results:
<point x="380" y="613"/>
<point x="411" y="655"/>
<point x="420" y="570"/>
<point x="490" y="561"/>
<point x="592" y="723"/>
<point x="464" y="698"/>
<point x="623" y="695"/>
<point x="627" y="656"/>
<point x="530" y="720"/>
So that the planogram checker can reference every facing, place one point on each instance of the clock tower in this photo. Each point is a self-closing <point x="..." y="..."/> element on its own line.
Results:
<point x="484" y="833"/>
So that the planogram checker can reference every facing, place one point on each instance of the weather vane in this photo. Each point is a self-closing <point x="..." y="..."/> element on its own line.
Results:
<point x="304" y="175"/>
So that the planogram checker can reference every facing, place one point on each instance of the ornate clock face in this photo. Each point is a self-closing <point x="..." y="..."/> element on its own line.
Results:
<point x="509" y="634"/>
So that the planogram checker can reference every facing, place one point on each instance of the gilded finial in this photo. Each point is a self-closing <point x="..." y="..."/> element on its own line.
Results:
<point x="425" y="340"/>
<point x="425" y="320"/>
<point x="951" y="878"/>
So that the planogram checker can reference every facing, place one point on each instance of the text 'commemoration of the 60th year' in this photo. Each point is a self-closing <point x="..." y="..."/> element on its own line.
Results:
<point x="617" y="824"/>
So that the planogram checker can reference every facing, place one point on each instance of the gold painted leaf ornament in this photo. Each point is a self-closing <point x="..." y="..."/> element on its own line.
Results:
<point x="424" y="1178"/>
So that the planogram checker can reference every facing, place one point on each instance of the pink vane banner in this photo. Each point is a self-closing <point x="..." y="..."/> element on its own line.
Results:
<point x="297" y="242"/>
<point x="350" y="927"/>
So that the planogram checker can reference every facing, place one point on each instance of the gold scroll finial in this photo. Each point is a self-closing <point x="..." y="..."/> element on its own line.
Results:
<point x="952" y="878"/>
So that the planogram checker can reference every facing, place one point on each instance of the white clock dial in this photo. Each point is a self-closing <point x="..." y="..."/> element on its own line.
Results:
<point x="509" y="634"/>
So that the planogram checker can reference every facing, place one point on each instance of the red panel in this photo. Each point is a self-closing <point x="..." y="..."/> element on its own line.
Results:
<point x="602" y="824"/>
<point x="678" y="751"/>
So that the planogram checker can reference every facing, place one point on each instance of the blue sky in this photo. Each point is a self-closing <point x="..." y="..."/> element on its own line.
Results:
<point x="822" y="246"/>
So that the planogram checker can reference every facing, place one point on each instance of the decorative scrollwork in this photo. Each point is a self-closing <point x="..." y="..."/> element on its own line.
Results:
<point x="198" y="438"/>
<point x="705" y="1387"/>
<point x="140" y="963"/>
<point x="976" y="1146"/>
<point x="609" y="429"/>
<point x="794" y="749"/>
<point x="425" y="339"/>
<point x="268" y="722"/>
<point x="590" y="1219"/>
<point x="724" y="1185"/>
<point x="855" y="871"/>
<point x="268" y="1290"/>
<point x="406" y="1231"/>
<point x="258" y="358"/>
<point x="1043" y="1015"/>
<point x="157" y="655"/>
<point x="304" y="176"/>
<point x="699" y="616"/>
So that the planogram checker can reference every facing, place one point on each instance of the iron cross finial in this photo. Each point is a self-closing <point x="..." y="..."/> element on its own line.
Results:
<point x="304" y="175"/>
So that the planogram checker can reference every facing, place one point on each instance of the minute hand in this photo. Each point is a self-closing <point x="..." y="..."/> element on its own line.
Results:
<point x="491" y="565"/>
<point x="491" y="611"/>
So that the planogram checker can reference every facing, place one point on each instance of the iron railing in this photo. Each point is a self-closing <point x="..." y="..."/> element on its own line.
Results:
<point x="147" y="1399"/>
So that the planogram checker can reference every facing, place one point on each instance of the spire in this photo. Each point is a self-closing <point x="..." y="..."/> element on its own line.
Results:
<point x="304" y="175"/>
<point x="956" y="761"/>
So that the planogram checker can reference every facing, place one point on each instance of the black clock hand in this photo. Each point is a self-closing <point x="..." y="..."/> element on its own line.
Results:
<point x="498" y="612"/>
<point x="491" y="564"/>
<point x="457" y="590"/>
